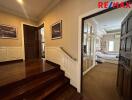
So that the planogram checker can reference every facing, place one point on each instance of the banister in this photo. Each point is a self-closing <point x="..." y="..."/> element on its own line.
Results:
<point x="68" y="54"/>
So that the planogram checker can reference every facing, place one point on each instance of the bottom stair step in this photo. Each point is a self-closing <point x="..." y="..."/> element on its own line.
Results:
<point x="19" y="92"/>
<point x="66" y="93"/>
<point x="45" y="92"/>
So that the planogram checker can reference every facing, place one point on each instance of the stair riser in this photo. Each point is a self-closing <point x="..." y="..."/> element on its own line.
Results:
<point x="61" y="89"/>
<point x="41" y="86"/>
<point x="24" y="81"/>
<point x="51" y="88"/>
<point x="62" y="86"/>
<point x="60" y="73"/>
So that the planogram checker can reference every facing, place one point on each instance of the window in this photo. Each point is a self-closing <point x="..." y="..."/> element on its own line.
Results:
<point x="111" y="45"/>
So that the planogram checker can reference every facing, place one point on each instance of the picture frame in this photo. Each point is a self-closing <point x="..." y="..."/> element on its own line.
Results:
<point x="7" y="32"/>
<point x="56" y="29"/>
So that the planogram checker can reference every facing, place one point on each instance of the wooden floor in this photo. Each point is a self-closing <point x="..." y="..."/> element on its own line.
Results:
<point x="100" y="82"/>
<point x="13" y="72"/>
<point x="35" y="80"/>
<point x="67" y="93"/>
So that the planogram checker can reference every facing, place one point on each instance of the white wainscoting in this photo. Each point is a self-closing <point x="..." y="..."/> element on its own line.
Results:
<point x="68" y="65"/>
<point x="10" y="53"/>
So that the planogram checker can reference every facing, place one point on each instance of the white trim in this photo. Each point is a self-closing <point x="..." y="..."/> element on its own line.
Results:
<point x="23" y="47"/>
<point x="85" y="72"/>
<point x="79" y="45"/>
<point x="8" y="53"/>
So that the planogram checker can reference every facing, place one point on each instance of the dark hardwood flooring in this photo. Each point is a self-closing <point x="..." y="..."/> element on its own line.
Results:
<point x="67" y="93"/>
<point x="35" y="80"/>
<point x="13" y="72"/>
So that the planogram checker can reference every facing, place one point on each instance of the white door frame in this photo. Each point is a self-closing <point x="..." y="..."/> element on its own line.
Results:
<point x="79" y="76"/>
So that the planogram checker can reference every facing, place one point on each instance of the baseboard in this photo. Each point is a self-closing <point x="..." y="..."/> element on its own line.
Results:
<point x="85" y="72"/>
<point x="52" y="63"/>
<point x="73" y="87"/>
<point x="11" y="61"/>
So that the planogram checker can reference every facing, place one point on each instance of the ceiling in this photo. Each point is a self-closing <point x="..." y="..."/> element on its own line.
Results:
<point x="111" y="21"/>
<point x="107" y="23"/>
<point x="32" y="9"/>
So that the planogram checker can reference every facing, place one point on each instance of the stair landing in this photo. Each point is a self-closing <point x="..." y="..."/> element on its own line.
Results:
<point x="14" y="72"/>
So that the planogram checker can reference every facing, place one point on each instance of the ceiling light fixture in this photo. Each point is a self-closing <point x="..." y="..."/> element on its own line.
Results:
<point x="20" y="1"/>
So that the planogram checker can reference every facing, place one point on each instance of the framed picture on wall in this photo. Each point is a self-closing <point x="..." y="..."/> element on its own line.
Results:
<point x="7" y="31"/>
<point x="57" y="30"/>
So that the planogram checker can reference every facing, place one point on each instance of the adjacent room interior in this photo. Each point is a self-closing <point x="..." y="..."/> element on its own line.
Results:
<point x="101" y="46"/>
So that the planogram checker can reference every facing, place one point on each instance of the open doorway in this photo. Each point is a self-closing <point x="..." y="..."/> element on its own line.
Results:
<point x="31" y="42"/>
<point x="101" y="55"/>
<point x="34" y="42"/>
<point x="41" y="41"/>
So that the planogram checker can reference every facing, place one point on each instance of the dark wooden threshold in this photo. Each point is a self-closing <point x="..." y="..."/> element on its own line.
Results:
<point x="11" y="61"/>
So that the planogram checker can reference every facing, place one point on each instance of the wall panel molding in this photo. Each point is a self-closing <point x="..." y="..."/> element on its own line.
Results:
<point x="10" y="53"/>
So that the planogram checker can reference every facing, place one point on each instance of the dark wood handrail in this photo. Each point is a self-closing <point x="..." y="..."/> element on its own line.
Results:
<point x="68" y="54"/>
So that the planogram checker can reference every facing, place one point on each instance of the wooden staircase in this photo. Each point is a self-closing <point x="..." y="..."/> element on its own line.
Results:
<point x="40" y="86"/>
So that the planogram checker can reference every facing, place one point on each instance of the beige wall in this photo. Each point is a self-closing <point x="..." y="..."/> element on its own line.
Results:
<point x="12" y="20"/>
<point x="117" y="44"/>
<point x="68" y="11"/>
<point x="112" y="37"/>
<point x="13" y="49"/>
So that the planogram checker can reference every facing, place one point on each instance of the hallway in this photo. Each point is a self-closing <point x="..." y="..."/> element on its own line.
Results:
<point x="100" y="82"/>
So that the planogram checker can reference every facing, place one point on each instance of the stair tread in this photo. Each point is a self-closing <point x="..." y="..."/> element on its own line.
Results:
<point x="19" y="90"/>
<point x="42" y="80"/>
<point x="43" y="93"/>
<point x="67" y="93"/>
<point x="18" y="71"/>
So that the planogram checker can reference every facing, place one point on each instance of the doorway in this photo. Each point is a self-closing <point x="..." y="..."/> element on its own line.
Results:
<point x="34" y="42"/>
<point x="91" y="43"/>
<point x="31" y="42"/>
<point x="41" y="41"/>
